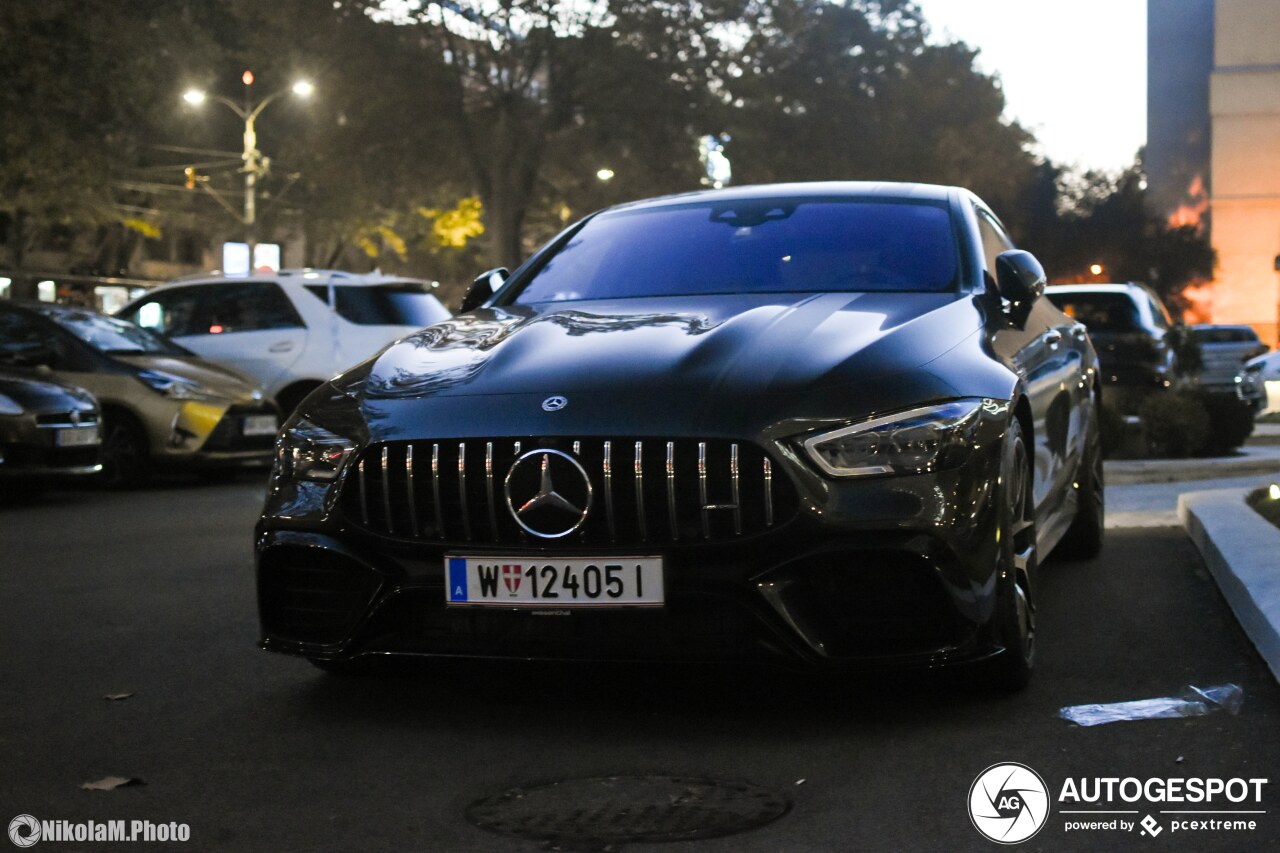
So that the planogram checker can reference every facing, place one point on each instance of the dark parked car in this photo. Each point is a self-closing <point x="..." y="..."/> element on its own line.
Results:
<point x="1223" y="353"/>
<point x="161" y="405"/>
<point x="1130" y="328"/>
<point x="832" y="425"/>
<point x="47" y="430"/>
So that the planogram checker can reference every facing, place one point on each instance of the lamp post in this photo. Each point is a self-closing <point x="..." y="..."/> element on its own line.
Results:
<point x="255" y="165"/>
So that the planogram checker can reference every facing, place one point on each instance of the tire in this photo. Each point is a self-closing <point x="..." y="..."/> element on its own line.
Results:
<point x="1014" y="619"/>
<point x="125" y="456"/>
<point x="1083" y="539"/>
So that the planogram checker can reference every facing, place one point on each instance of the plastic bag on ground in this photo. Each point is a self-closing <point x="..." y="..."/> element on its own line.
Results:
<point x="1193" y="702"/>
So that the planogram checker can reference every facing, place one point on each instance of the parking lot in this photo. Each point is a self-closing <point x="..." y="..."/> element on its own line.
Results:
<point x="150" y="593"/>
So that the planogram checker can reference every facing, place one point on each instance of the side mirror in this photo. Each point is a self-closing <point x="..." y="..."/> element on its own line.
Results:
<point x="1021" y="281"/>
<point x="485" y="285"/>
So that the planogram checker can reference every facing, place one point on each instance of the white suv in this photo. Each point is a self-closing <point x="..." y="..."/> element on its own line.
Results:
<point x="289" y="330"/>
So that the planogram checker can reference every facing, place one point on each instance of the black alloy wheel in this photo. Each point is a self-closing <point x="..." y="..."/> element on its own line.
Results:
<point x="1015" y="616"/>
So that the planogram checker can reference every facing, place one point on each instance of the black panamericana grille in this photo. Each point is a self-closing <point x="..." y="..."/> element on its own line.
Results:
<point x="645" y="490"/>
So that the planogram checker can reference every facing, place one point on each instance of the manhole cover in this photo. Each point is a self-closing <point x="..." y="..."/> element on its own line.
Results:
<point x="628" y="808"/>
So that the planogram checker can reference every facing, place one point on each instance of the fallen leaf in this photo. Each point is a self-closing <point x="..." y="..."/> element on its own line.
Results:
<point x="116" y="697"/>
<point x="110" y="783"/>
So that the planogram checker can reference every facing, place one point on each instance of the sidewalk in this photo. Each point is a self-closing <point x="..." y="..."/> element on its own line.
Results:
<point x="1206" y="497"/>
<point x="1144" y="492"/>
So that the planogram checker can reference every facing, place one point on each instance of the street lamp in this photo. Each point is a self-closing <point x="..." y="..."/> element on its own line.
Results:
<point x="255" y="165"/>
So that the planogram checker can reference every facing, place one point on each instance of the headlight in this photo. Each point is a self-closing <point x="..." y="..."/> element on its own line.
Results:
<point x="308" y="451"/>
<point x="9" y="406"/>
<point x="176" y="387"/>
<point x="931" y="438"/>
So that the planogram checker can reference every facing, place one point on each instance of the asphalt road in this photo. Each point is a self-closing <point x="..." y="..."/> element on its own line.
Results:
<point x="151" y="593"/>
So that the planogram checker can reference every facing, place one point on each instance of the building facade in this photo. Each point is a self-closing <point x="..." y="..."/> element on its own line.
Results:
<point x="1244" y="104"/>
<point x="1213" y="145"/>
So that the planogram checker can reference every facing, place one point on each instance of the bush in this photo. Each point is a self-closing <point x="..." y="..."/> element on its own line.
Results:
<point x="1175" y="423"/>
<point x="1194" y="422"/>
<point x="1231" y="420"/>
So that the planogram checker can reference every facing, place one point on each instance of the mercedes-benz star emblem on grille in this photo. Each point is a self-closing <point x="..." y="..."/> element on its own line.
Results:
<point x="554" y="404"/>
<point x="548" y="493"/>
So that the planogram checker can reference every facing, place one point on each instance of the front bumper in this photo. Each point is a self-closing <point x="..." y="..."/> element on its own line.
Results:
<point x="35" y="446"/>
<point x="210" y="435"/>
<point x="885" y="572"/>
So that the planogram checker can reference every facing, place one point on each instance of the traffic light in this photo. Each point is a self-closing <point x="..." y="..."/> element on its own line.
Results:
<point x="190" y="172"/>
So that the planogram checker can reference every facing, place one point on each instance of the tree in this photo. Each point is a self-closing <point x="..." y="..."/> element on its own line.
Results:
<point x="1106" y="219"/>
<point x="84" y="94"/>
<point x="853" y="90"/>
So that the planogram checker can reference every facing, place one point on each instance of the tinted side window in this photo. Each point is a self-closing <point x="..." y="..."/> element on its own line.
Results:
<point x="400" y="304"/>
<point x="247" y="307"/>
<point x="21" y="336"/>
<point x="1100" y="312"/>
<point x="172" y="313"/>
<point x="994" y="241"/>
<point x="1158" y="313"/>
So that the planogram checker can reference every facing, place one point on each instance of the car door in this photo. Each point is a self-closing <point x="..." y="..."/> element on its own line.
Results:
<point x="1046" y="351"/>
<point x="249" y="326"/>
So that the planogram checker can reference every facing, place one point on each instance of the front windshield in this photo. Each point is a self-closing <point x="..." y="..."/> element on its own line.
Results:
<point x="112" y="336"/>
<point x="754" y="246"/>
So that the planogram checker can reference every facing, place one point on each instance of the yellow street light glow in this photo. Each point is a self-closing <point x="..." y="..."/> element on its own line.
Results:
<point x="605" y="174"/>
<point x="303" y="88"/>
<point x="194" y="97"/>
<point x="1096" y="269"/>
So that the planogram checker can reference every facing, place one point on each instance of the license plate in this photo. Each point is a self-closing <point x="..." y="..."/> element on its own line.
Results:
<point x="541" y="582"/>
<point x="259" y="425"/>
<point x="77" y="437"/>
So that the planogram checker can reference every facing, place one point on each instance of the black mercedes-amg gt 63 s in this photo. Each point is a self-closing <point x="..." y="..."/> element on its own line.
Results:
<point x="829" y="424"/>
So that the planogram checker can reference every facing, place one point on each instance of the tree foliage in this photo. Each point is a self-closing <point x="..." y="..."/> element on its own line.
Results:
<point x="518" y="104"/>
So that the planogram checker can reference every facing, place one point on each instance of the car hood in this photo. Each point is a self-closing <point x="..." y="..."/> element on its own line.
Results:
<point x="622" y="359"/>
<point x="222" y="381"/>
<point x="40" y="395"/>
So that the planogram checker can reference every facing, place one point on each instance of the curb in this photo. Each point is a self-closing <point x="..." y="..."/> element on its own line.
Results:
<point x="1239" y="548"/>
<point x="1253" y="460"/>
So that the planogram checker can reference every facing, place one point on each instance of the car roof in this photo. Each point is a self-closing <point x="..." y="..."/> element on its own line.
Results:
<point x="31" y="306"/>
<point x="1236" y="327"/>
<point x="810" y="189"/>
<point x="302" y="275"/>
<point x="1094" y="288"/>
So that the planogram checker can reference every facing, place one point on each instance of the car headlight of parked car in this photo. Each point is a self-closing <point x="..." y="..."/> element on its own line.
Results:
<point x="9" y="406"/>
<point x="931" y="438"/>
<point x="308" y="451"/>
<point x="176" y="387"/>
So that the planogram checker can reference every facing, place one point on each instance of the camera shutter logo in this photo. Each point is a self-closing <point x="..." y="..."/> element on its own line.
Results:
<point x="24" y="830"/>
<point x="1008" y="803"/>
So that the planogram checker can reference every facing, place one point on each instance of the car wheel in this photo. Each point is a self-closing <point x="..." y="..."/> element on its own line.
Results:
<point x="124" y="453"/>
<point x="1015" y="616"/>
<point x="1083" y="540"/>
